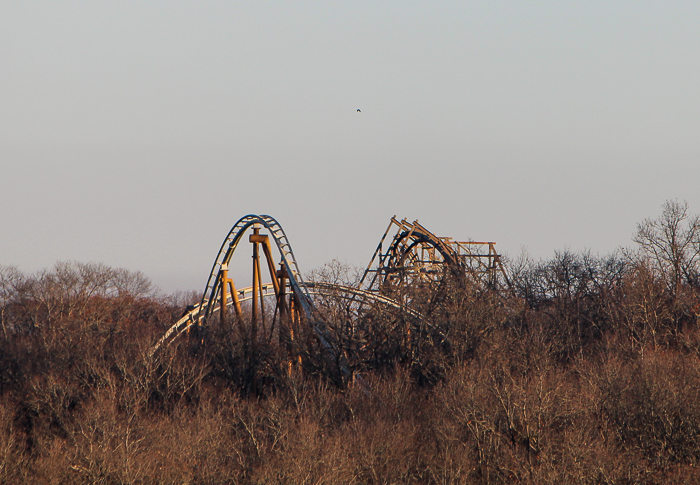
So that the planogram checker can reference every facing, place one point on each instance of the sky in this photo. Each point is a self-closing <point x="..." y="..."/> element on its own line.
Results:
<point x="136" y="134"/>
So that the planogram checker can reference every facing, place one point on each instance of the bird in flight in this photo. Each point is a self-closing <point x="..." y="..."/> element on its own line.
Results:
<point x="358" y="110"/>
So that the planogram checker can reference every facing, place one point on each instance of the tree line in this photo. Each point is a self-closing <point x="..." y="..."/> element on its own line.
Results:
<point x="585" y="372"/>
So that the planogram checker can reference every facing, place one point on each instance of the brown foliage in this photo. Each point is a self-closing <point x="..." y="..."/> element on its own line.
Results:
<point x="588" y="373"/>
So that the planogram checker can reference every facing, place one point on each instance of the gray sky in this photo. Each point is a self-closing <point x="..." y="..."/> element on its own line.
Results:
<point x="137" y="133"/>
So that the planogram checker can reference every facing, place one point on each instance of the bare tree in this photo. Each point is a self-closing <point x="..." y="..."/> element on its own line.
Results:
<point x="10" y="279"/>
<point x="673" y="243"/>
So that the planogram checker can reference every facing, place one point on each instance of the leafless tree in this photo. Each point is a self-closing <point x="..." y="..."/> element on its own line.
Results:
<point x="11" y="280"/>
<point x="673" y="242"/>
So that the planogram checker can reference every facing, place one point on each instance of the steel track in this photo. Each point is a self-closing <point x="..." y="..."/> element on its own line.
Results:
<point x="313" y="288"/>
<point x="408" y="236"/>
<point x="301" y="289"/>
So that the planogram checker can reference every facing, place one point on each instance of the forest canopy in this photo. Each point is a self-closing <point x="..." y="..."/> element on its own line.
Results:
<point x="584" y="371"/>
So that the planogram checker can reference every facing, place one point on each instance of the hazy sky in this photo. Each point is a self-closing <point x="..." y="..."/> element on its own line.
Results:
<point x="137" y="133"/>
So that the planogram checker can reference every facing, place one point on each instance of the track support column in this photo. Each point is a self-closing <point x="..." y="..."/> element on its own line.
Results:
<point x="227" y="287"/>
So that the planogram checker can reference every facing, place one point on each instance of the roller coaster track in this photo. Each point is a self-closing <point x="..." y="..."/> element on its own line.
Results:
<point x="414" y="252"/>
<point x="216" y="285"/>
<point x="228" y="247"/>
<point x="313" y="288"/>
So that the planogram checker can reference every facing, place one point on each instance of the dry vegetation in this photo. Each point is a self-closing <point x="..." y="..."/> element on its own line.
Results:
<point x="588" y="373"/>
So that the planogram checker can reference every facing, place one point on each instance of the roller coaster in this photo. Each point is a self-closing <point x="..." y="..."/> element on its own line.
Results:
<point x="412" y="256"/>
